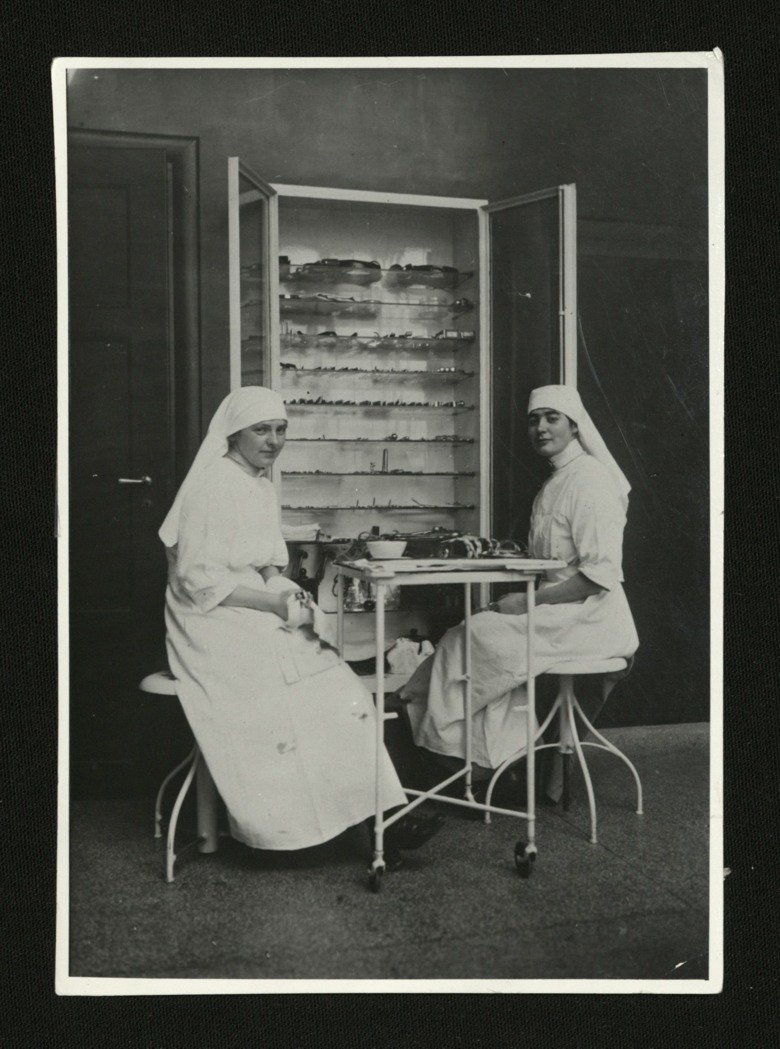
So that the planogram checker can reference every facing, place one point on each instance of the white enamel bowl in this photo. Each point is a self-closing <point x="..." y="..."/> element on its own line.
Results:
<point x="384" y="548"/>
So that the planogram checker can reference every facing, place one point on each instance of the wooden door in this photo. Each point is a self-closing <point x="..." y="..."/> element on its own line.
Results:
<point x="533" y="320"/>
<point x="121" y="442"/>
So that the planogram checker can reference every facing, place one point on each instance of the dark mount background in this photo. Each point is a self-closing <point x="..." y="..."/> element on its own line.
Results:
<point x="747" y="34"/>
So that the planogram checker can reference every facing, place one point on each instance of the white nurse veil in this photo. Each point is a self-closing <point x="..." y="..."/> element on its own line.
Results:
<point x="566" y="399"/>
<point x="242" y="407"/>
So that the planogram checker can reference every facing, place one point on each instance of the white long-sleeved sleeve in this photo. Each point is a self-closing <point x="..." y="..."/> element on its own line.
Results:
<point x="203" y="561"/>
<point x="597" y="522"/>
<point x="280" y="555"/>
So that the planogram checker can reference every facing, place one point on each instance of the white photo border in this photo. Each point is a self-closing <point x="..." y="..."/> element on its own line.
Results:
<point x="713" y="63"/>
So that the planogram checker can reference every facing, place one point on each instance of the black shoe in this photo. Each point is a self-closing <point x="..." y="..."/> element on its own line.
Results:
<point x="412" y="831"/>
<point x="479" y="793"/>
<point x="393" y="860"/>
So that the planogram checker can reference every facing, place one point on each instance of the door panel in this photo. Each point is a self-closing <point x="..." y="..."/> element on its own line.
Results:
<point x="533" y="336"/>
<point x="101" y="510"/>
<point x="100" y="250"/>
<point x="121" y="433"/>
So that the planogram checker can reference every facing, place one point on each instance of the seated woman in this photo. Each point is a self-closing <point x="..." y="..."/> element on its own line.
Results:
<point x="286" y="728"/>
<point x="577" y="517"/>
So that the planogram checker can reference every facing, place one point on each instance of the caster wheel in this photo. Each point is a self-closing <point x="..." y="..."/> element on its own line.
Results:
<point x="524" y="862"/>
<point x="375" y="879"/>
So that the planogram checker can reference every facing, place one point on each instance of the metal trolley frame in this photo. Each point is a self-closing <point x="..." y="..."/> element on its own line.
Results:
<point x="466" y="572"/>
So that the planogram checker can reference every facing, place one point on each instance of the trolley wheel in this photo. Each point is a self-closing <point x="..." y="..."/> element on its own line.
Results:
<point x="524" y="861"/>
<point x="375" y="879"/>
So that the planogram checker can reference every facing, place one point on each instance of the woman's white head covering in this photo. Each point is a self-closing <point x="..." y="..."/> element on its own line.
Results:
<point x="567" y="400"/>
<point x="243" y="407"/>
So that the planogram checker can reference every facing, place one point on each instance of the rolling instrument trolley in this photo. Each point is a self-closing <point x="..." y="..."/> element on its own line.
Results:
<point x="463" y="572"/>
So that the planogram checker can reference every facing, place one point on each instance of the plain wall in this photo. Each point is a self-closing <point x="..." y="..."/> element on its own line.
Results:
<point x="634" y="141"/>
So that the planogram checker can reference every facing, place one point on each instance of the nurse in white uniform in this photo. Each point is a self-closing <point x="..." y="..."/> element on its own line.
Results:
<point x="582" y="613"/>
<point x="286" y="728"/>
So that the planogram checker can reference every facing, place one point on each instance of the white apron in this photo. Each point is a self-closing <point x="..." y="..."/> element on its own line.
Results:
<point x="577" y="518"/>
<point x="286" y="728"/>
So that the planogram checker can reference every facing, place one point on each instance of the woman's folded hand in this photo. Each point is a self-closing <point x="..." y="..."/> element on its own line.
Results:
<point x="298" y="610"/>
<point x="511" y="605"/>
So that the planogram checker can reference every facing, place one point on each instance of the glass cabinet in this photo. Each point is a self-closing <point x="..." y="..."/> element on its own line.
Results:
<point x="373" y="314"/>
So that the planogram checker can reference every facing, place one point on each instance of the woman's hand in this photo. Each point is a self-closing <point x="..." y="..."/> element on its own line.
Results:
<point x="577" y="588"/>
<point x="299" y="609"/>
<point x="511" y="604"/>
<point x="304" y="598"/>
<point x="292" y="606"/>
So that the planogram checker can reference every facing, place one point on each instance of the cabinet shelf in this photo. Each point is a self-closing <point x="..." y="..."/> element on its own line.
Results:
<point x="386" y="440"/>
<point x="339" y="541"/>
<point x="453" y="406"/>
<point x="449" y="375"/>
<point x="316" y="305"/>
<point x="410" y="507"/>
<point x="388" y="611"/>
<point x="324" y="341"/>
<point x="322" y="273"/>
<point x="415" y="277"/>
<point x="379" y="473"/>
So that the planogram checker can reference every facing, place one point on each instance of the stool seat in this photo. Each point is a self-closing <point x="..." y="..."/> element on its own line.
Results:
<point x="161" y="683"/>
<point x="589" y="666"/>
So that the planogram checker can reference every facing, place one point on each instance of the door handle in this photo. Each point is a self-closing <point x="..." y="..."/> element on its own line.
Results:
<point x="134" y="480"/>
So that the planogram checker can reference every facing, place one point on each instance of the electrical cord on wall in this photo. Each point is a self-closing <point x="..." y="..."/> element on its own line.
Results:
<point x="637" y="465"/>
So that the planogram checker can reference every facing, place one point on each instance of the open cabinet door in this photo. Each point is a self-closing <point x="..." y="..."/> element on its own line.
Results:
<point x="533" y="322"/>
<point x="254" y="280"/>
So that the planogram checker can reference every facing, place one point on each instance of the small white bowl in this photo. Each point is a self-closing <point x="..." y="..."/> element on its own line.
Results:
<point x="379" y="548"/>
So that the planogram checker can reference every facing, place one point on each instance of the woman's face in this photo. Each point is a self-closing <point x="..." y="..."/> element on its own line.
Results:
<point x="259" y="445"/>
<point x="550" y="431"/>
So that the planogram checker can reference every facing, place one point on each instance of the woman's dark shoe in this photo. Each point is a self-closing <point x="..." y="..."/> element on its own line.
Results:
<point x="393" y="860"/>
<point x="412" y="831"/>
<point x="479" y="791"/>
<point x="509" y="792"/>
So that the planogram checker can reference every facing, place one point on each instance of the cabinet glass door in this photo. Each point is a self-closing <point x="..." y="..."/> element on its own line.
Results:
<point x="253" y="282"/>
<point x="379" y="318"/>
<point x="533" y="320"/>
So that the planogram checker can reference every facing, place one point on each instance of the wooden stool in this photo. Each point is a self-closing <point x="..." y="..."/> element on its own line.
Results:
<point x="164" y="684"/>
<point x="566" y="705"/>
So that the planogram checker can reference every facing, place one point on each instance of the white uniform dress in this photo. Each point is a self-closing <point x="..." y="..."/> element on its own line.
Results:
<point x="578" y="518"/>
<point x="286" y="728"/>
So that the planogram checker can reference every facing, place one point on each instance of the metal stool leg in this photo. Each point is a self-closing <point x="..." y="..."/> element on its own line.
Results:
<point x="170" y="855"/>
<point x="585" y="772"/>
<point x="208" y="837"/>
<point x="159" y="800"/>
<point x="566" y="796"/>
<point x="606" y="745"/>
<point x="517" y="757"/>
<point x="565" y="741"/>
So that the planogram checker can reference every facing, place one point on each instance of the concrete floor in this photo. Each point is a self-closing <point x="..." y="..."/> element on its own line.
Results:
<point x="635" y="906"/>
